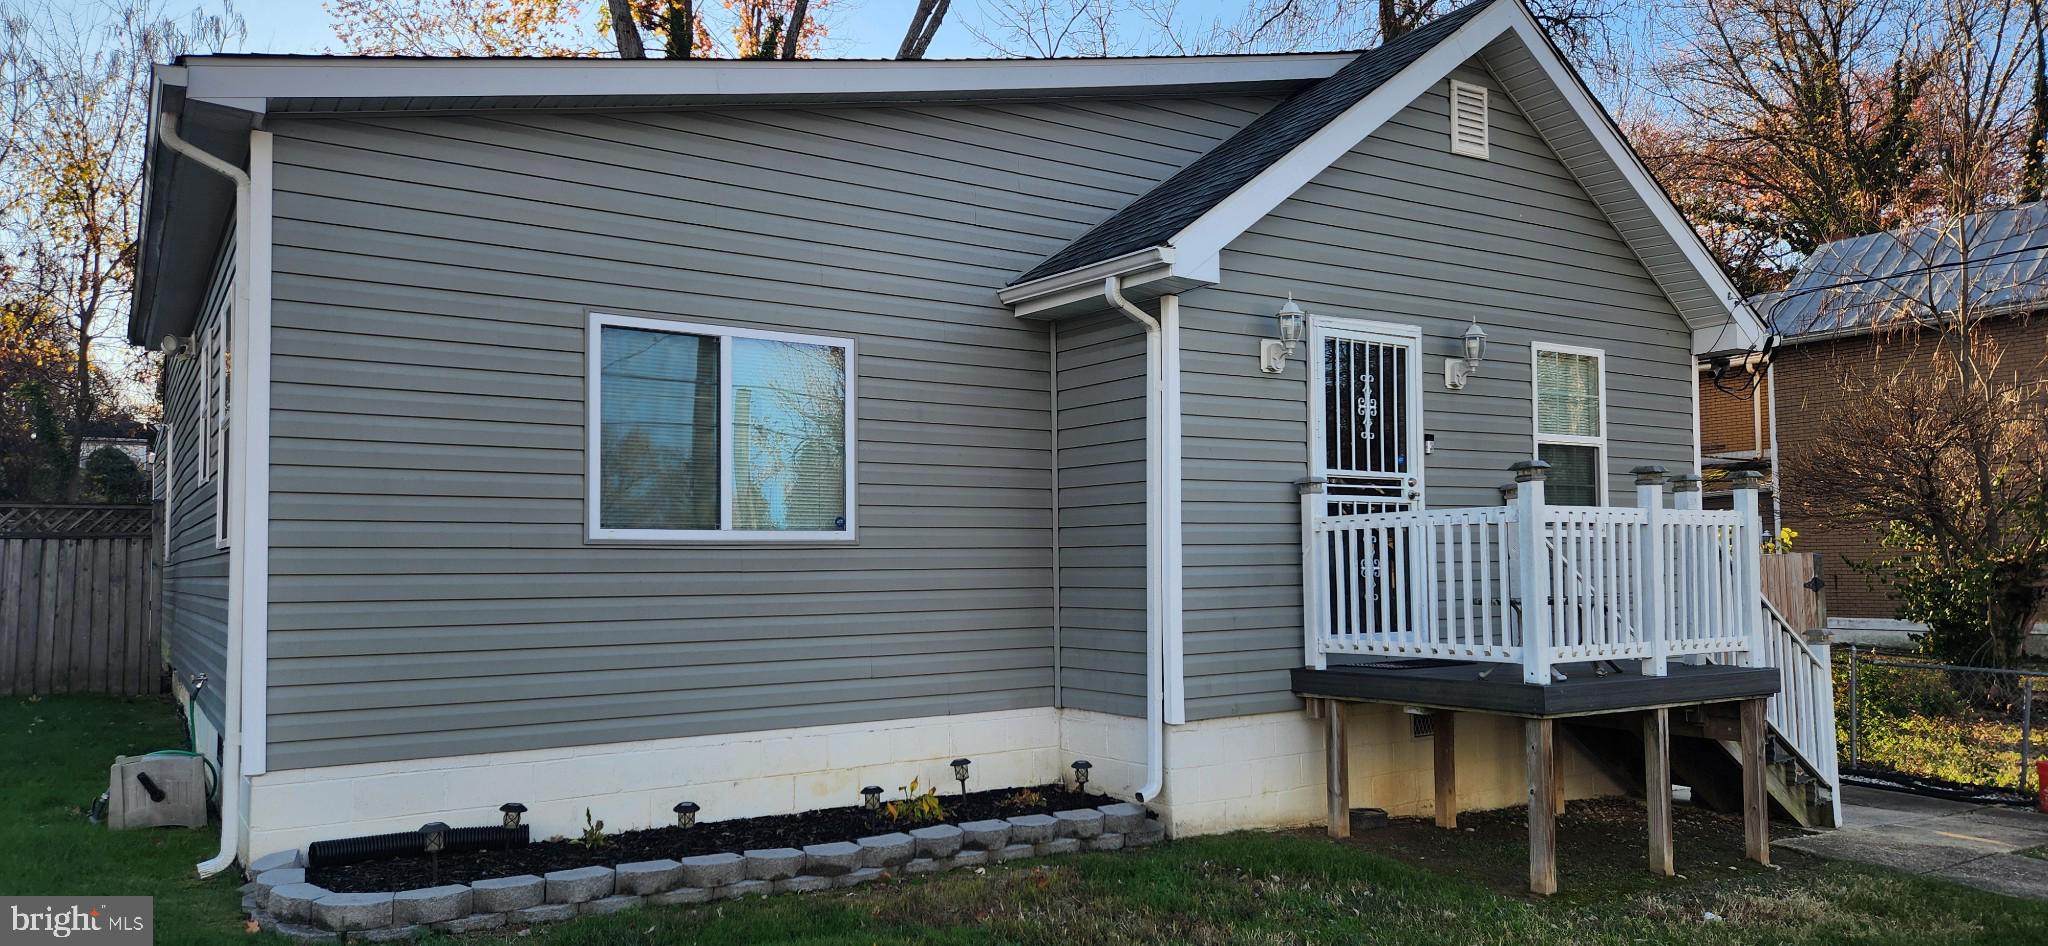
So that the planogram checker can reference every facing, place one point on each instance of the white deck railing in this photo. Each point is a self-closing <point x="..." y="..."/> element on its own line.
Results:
<point x="1645" y="583"/>
<point x="1802" y="712"/>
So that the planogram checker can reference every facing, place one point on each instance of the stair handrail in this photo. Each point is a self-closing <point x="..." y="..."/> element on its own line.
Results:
<point x="1823" y="744"/>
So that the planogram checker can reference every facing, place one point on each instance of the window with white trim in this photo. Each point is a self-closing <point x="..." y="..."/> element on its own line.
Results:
<point x="712" y="433"/>
<point x="1571" y="423"/>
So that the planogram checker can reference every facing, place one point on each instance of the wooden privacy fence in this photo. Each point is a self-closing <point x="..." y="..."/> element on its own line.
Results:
<point x="1792" y="583"/>
<point x="79" y="600"/>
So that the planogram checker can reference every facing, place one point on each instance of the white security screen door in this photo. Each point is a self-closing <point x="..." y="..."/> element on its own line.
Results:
<point x="1365" y="443"/>
<point x="1365" y="408"/>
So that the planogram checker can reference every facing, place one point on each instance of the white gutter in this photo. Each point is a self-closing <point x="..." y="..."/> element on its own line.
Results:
<point x="231" y="767"/>
<point x="1162" y="525"/>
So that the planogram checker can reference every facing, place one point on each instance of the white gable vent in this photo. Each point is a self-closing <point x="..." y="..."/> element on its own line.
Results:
<point x="1468" y="119"/>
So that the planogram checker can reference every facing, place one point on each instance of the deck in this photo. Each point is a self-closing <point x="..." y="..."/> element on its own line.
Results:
<point x="1545" y="613"/>
<point x="1587" y="689"/>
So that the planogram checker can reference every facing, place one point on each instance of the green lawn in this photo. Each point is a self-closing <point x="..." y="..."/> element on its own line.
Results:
<point x="57" y="751"/>
<point x="1455" y="889"/>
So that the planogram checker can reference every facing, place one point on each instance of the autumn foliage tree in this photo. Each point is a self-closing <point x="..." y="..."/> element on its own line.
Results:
<point x="1945" y="452"/>
<point x="678" y="29"/>
<point x="74" y="91"/>
<point x="459" y="27"/>
<point x="1793" y="123"/>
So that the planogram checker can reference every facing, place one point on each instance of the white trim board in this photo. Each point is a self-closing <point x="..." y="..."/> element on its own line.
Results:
<point x="249" y="484"/>
<point x="1191" y="257"/>
<point x="636" y="784"/>
<point x="348" y="85"/>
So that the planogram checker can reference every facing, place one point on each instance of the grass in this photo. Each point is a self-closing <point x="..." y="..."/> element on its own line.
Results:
<point x="1408" y="884"/>
<point x="57" y="753"/>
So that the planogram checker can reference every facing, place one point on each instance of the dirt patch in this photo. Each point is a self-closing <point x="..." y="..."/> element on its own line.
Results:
<point x="741" y="834"/>
<point x="1602" y="845"/>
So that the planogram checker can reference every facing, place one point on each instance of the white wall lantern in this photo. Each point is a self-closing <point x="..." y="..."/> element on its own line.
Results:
<point x="1456" y="370"/>
<point x="1273" y="354"/>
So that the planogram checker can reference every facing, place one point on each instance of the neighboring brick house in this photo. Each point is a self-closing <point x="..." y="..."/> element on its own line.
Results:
<point x="1839" y="314"/>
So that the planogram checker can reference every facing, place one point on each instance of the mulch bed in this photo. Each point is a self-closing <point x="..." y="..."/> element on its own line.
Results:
<point x="811" y="827"/>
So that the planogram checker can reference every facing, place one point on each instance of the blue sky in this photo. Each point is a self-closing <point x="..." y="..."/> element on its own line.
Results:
<point x="860" y="28"/>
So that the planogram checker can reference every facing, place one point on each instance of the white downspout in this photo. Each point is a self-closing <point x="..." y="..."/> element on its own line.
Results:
<point x="1162" y="521"/>
<point x="1170" y="632"/>
<point x="1777" y="493"/>
<point x="231" y="690"/>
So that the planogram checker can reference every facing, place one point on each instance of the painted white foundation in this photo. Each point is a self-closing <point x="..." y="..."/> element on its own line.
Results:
<point x="1243" y="772"/>
<point x="635" y="785"/>
<point x="1268" y="771"/>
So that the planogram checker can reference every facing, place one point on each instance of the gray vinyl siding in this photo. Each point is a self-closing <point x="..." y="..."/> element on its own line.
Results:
<point x="1101" y="459"/>
<point x="195" y="577"/>
<point x="431" y="590"/>
<point x="1402" y="231"/>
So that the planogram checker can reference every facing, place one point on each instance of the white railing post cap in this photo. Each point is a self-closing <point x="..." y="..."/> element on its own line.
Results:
<point x="1685" y="483"/>
<point x="1529" y="470"/>
<point x="1746" y="479"/>
<point x="1507" y="492"/>
<point x="1650" y="475"/>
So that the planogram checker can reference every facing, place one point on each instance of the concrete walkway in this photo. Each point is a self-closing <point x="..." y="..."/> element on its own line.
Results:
<point x="1969" y="844"/>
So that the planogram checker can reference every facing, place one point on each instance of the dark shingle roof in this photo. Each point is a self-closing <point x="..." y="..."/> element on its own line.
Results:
<point x="1165" y="210"/>
<point x="1876" y="277"/>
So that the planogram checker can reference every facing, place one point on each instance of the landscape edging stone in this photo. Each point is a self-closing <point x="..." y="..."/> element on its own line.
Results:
<point x="311" y="913"/>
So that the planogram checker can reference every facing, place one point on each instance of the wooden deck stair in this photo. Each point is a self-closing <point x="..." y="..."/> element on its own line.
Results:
<point x="1706" y="757"/>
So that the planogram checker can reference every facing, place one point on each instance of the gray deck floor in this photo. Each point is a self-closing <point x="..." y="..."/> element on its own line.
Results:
<point x="1970" y="844"/>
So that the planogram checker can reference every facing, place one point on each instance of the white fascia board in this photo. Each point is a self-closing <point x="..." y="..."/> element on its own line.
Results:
<point x="1229" y="219"/>
<point x="1051" y="295"/>
<point x="1747" y="330"/>
<point x="1161" y="268"/>
<point x="237" y="80"/>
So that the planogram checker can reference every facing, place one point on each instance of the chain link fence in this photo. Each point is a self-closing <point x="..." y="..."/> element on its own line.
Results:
<point x="1935" y="727"/>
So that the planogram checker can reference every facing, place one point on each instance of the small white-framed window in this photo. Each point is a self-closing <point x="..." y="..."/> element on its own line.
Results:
<point x="203" y="368"/>
<point x="710" y="433"/>
<point x="165" y="469"/>
<point x="223" y="371"/>
<point x="1469" y="131"/>
<point x="1571" y="423"/>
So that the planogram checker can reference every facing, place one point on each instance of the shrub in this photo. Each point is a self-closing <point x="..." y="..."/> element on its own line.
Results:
<point x="913" y="808"/>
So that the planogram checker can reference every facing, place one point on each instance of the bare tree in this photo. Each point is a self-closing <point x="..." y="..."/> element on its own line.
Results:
<point x="625" y="31"/>
<point x="924" y="24"/>
<point x="797" y="13"/>
<point x="1128" y="27"/>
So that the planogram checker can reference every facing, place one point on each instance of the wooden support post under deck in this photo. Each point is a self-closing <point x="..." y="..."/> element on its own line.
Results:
<point x="1542" y="818"/>
<point x="1339" y="775"/>
<point x="1756" y="810"/>
<point x="1556" y="774"/>
<point x="1657" y="788"/>
<point x="1446" y="769"/>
